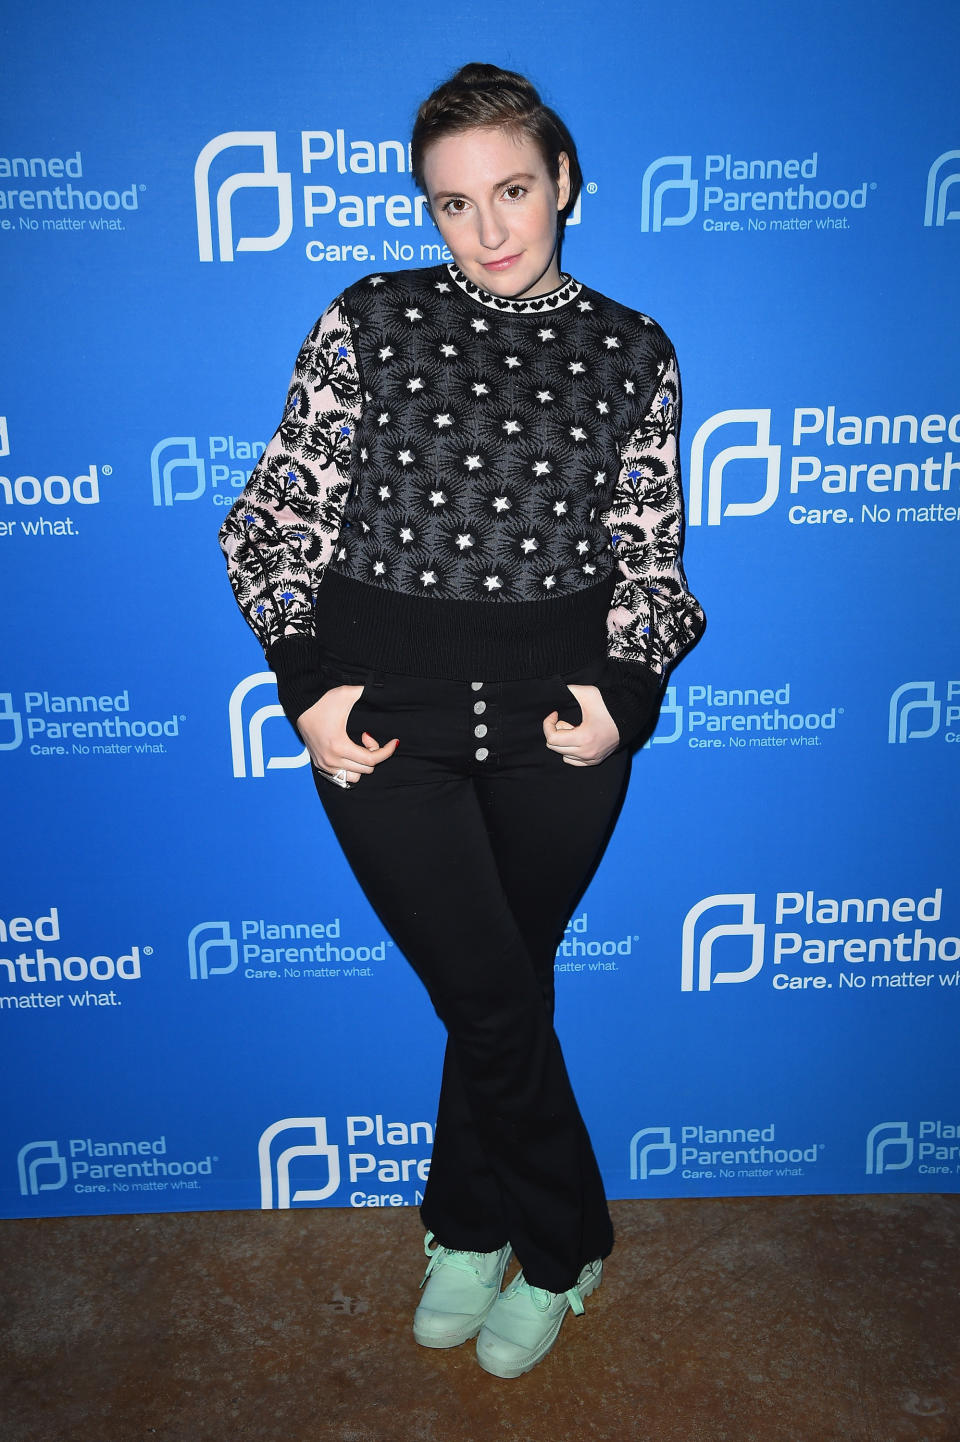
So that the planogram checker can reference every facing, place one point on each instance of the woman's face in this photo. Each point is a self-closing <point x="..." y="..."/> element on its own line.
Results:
<point x="496" y="205"/>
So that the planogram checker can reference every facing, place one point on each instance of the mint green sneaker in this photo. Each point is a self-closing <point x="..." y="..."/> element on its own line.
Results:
<point x="461" y="1289"/>
<point x="524" y="1322"/>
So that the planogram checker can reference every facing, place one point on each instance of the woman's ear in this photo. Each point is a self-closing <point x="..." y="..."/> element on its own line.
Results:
<point x="563" y="179"/>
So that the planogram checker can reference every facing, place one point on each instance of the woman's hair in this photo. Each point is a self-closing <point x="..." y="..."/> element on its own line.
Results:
<point x="485" y="95"/>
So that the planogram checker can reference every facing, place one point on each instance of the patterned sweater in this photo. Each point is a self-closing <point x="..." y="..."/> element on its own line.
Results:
<point x="470" y="487"/>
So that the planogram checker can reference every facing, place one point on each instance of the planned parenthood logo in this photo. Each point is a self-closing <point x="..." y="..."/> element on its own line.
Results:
<point x="41" y="1168"/>
<point x="268" y="177"/>
<point x="247" y="746"/>
<point x="696" y="965"/>
<point x="942" y="177"/>
<point x="653" y="1153"/>
<point x="742" y="195"/>
<point x="818" y="943"/>
<point x="834" y="468"/>
<point x="932" y="1144"/>
<point x="706" y="1153"/>
<point x="376" y="1152"/>
<point x="210" y="943"/>
<point x="889" y="1148"/>
<point x="101" y="1166"/>
<point x="310" y="1134"/>
<point x="179" y="472"/>
<point x="758" y="448"/>
<point x="916" y="712"/>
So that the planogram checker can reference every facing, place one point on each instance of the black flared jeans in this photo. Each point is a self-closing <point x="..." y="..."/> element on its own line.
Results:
<point x="473" y="843"/>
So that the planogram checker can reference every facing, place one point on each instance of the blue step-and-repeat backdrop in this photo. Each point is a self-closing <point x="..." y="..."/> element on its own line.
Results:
<point x="759" y="992"/>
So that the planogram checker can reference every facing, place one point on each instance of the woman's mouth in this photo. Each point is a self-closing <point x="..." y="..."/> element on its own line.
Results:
<point x="504" y="263"/>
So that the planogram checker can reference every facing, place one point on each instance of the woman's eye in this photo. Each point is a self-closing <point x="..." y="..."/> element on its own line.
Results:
<point x="455" y="206"/>
<point x="514" y="192"/>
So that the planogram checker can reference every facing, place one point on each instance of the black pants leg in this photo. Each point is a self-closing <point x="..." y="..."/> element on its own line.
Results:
<point x="473" y="843"/>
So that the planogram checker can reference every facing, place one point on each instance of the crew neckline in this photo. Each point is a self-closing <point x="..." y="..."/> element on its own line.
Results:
<point x="566" y="291"/>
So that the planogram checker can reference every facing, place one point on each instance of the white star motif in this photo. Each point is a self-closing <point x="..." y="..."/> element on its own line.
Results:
<point x="479" y="389"/>
<point x="384" y="493"/>
<point x="385" y="352"/>
<point x="583" y="547"/>
<point x="527" y="545"/>
<point x="593" y="512"/>
<point x="560" y="507"/>
<point x="364" y="453"/>
<point x="415" y="383"/>
<point x="383" y="419"/>
<point x="492" y="583"/>
<point x="428" y="578"/>
<point x="544" y="397"/>
<point x="541" y="468"/>
<point x="378" y="280"/>
<point x="341" y="553"/>
<point x="587" y="569"/>
<point x="600" y="479"/>
<point x="576" y="368"/>
<point x="438" y="498"/>
<point x="501" y="503"/>
<point x="549" y="582"/>
<point x="629" y="387"/>
<point x="413" y="314"/>
<point x="443" y="420"/>
<point x="405" y="458"/>
<point x="473" y="463"/>
<point x="379" y="569"/>
<point x="578" y="433"/>
<point x="512" y="428"/>
<point x="611" y="342"/>
<point x="406" y="535"/>
<point x="479" y="325"/>
<point x="463" y="541"/>
<point x="584" y="305"/>
<point x="442" y="286"/>
<point x="547" y="334"/>
<point x="449" y="350"/>
<point x="511" y="361"/>
<point x="602" y="407"/>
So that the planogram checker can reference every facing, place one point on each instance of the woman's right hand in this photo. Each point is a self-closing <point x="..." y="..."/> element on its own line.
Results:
<point x="323" y="727"/>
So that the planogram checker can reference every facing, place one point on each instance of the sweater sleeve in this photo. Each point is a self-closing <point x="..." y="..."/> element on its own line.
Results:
<point x="653" y="617"/>
<point x="282" y="529"/>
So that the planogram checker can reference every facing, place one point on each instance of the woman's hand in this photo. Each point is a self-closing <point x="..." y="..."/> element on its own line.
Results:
<point x="323" y="727"/>
<point x="590" y="742"/>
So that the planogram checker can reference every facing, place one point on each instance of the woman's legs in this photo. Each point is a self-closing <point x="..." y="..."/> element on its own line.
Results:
<point x="474" y="870"/>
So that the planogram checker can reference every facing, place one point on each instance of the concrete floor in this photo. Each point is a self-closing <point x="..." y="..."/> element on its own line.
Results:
<point x="787" y="1319"/>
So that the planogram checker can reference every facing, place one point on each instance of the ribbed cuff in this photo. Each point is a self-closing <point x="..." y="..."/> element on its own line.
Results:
<point x="300" y="677"/>
<point x="630" y="693"/>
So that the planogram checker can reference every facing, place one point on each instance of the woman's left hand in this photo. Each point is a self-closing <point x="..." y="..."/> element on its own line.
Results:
<point x="593" y="740"/>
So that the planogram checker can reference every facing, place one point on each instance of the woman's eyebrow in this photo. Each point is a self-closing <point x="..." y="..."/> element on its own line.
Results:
<point x="497" y="185"/>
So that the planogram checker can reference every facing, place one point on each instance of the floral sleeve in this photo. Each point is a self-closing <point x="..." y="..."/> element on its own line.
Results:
<point x="653" y="617"/>
<point x="280" y="532"/>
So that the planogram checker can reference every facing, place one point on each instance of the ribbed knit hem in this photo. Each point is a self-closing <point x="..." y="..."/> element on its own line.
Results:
<point x="630" y="693"/>
<point x="461" y="640"/>
<point x="300" y="677"/>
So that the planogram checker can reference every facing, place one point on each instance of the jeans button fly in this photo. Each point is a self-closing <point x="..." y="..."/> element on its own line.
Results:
<point x="479" y="707"/>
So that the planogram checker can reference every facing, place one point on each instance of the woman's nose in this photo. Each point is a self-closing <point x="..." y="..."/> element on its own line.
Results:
<point x="492" y="230"/>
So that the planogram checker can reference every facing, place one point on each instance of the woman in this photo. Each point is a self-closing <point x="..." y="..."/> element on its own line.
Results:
<point x="460" y="552"/>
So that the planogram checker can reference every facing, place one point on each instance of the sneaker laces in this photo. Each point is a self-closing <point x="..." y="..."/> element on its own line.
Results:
<point x="450" y="1257"/>
<point x="542" y="1299"/>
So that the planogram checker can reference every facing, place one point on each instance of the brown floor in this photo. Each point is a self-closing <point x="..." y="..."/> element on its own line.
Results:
<point x="787" y="1319"/>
